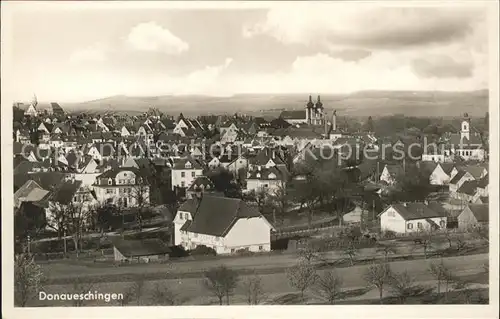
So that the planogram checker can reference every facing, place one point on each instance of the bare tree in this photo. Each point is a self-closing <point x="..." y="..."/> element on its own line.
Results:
<point x="163" y="296"/>
<point x="140" y="193"/>
<point x="134" y="292"/>
<point x="80" y="286"/>
<point x="253" y="289"/>
<point x="351" y="251"/>
<point x="481" y="232"/>
<point x="402" y="285"/>
<point x="27" y="278"/>
<point x="443" y="275"/>
<point x="76" y="218"/>
<point x="378" y="275"/>
<point x="221" y="281"/>
<point x="301" y="276"/>
<point x="281" y="200"/>
<point x="329" y="286"/>
<point x="57" y="218"/>
<point x="463" y="289"/>
<point x="386" y="249"/>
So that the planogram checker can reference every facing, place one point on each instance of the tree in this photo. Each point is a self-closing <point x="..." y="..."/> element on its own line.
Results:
<point x="253" y="289"/>
<point x="378" y="275"/>
<point x="369" y="125"/>
<point x="351" y="251"/>
<point x="134" y="292"/>
<point x="463" y="289"/>
<point x="402" y="286"/>
<point x="27" y="278"/>
<point x="140" y="194"/>
<point x="221" y="281"/>
<point x="301" y="276"/>
<point x="76" y="218"/>
<point x="386" y="249"/>
<point x="279" y="197"/>
<point x="163" y="296"/>
<point x="80" y="287"/>
<point x="329" y="286"/>
<point x="442" y="274"/>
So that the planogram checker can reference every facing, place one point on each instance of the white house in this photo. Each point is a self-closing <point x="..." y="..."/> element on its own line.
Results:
<point x="412" y="217"/>
<point x="185" y="171"/>
<point x="122" y="186"/>
<point x="268" y="179"/>
<point x="224" y="224"/>
<point x="390" y="173"/>
<point x="442" y="174"/>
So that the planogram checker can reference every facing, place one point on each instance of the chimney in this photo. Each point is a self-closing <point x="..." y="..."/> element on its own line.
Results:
<point x="405" y="204"/>
<point x="426" y="202"/>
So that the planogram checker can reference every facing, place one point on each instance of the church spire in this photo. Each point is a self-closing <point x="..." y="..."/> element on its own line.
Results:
<point x="310" y="104"/>
<point x="319" y="105"/>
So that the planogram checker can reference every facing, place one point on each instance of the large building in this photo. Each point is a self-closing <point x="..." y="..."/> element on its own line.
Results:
<point x="312" y="115"/>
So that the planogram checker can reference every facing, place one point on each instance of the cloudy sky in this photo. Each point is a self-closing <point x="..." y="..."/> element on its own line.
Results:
<point x="77" y="54"/>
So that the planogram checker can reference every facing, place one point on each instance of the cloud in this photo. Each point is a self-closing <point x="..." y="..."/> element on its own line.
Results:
<point x="351" y="54"/>
<point x="94" y="53"/>
<point x="441" y="66"/>
<point x="152" y="37"/>
<point x="362" y="27"/>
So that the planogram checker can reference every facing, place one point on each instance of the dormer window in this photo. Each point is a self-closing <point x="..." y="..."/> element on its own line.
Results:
<point x="110" y="181"/>
<point x="258" y="175"/>
<point x="188" y="165"/>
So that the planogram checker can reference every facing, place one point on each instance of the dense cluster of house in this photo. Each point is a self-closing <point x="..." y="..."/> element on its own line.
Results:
<point x="62" y="158"/>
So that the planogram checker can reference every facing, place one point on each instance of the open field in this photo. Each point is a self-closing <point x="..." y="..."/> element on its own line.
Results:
<point x="191" y="290"/>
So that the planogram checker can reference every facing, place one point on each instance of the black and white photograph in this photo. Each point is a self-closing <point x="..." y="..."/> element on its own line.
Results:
<point x="249" y="154"/>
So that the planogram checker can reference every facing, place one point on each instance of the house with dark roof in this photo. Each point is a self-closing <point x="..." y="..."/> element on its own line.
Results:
<point x="456" y="182"/>
<point x="294" y="116"/>
<point x="405" y="218"/>
<point x="224" y="224"/>
<point x="474" y="215"/>
<point x="468" y="191"/>
<point x="200" y="185"/>
<point x="144" y="250"/>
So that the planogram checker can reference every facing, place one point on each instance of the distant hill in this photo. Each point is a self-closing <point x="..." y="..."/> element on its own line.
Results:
<point x="363" y="103"/>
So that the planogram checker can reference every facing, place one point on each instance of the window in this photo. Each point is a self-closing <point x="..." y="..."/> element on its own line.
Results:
<point x="193" y="174"/>
<point x="183" y="174"/>
<point x="181" y="217"/>
<point x="419" y="225"/>
<point x="261" y="247"/>
<point x="183" y="184"/>
<point x="442" y="224"/>
<point x="110" y="181"/>
<point x="110" y="191"/>
<point x="232" y="250"/>
<point x="409" y="226"/>
<point x="391" y="214"/>
<point x="195" y="235"/>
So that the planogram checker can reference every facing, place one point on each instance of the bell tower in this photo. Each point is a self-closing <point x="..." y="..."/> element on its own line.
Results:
<point x="465" y="128"/>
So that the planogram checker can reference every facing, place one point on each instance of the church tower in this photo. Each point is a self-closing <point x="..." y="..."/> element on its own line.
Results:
<point x="319" y="112"/>
<point x="309" y="111"/>
<point x="465" y="128"/>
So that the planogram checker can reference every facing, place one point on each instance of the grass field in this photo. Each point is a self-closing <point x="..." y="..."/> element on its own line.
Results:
<point x="190" y="291"/>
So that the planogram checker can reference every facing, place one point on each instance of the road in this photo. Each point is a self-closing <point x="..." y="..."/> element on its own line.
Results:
<point x="275" y="285"/>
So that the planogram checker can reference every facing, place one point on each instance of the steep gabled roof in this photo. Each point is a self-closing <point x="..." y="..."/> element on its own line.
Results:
<point x="411" y="211"/>
<point x="216" y="215"/>
<point x="480" y="211"/>
<point x="143" y="247"/>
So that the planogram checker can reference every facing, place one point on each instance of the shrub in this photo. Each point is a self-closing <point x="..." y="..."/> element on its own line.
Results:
<point x="244" y="252"/>
<point x="388" y="234"/>
<point x="203" y="250"/>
